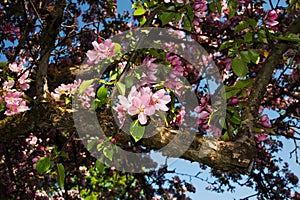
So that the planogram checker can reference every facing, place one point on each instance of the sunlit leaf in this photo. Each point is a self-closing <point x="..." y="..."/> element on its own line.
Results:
<point x="60" y="175"/>
<point x="84" y="85"/>
<point x="43" y="165"/>
<point x="136" y="130"/>
<point x="139" y="11"/>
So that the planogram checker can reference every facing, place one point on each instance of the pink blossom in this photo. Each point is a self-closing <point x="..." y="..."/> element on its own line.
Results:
<point x="234" y="100"/>
<point x="270" y="18"/>
<point x="264" y="120"/>
<point x="160" y="100"/>
<point x="203" y="115"/>
<point x="14" y="103"/>
<point x="140" y="106"/>
<point x="24" y="82"/>
<point x="14" y="67"/>
<point x="7" y="85"/>
<point x="261" y="137"/>
<point x="101" y="51"/>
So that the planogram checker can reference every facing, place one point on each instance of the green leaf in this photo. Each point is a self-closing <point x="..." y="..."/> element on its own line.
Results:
<point x="137" y="4"/>
<point x="139" y="11"/>
<point x="121" y="88"/>
<point x="102" y="93"/>
<point x="222" y="123"/>
<point x="143" y="20"/>
<point x="129" y="81"/>
<point x="91" y="144"/>
<point x="84" y="85"/>
<point x="117" y="48"/>
<point x="91" y="197"/>
<point x="232" y="7"/>
<point x="136" y="130"/>
<point x="100" y="166"/>
<point x="108" y="153"/>
<point x="241" y="26"/>
<point x="233" y="116"/>
<point x="60" y="175"/>
<point x="166" y="17"/>
<point x="212" y="7"/>
<point x="252" y="22"/>
<point x="225" y="137"/>
<point x="245" y="56"/>
<point x="254" y="56"/>
<point x="239" y="67"/>
<point x="226" y="45"/>
<point x="290" y="38"/>
<point x="244" y="83"/>
<point x="232" y="93"/>
<point x="262" y="37"/>
<point x="248" y="37"/>
<point x="43" y="165"/>
<point x="187" y="23"/>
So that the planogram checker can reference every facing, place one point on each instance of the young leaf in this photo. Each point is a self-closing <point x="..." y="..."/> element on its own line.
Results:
<point x="226" y="45"/>
<point x="99" y="165"/>
<point x="245" y="56"/>
<point x="254" y="56"/>
<point x="239" y="67"/>
<point x="117" y="48"/>
<point x="136" y="130"/>
<point x="139" y="11"/>
<point x="225" y="137"/>
<point x="121" y="88"/>
<point x="84" y="85"/>
<point x="102" y="93"/>
<point x="43" y="165"/>
<point x="166" y="17"/>
<point x="60" y="175"/>
<point x="108" y="153"/>
<point x="248" y="37"/>
<point x="241" y="26"/>
<point x="232" y="7"/>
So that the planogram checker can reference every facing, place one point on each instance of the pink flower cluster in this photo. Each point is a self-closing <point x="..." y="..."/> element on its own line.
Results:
<point x="100" y="52"/>
<point x="71" y="89"/>
<point x="23" y="81"/>
<point x="13" y="97"/>
<point x="14" y="103"/>
<point x="149" y="69"/>
<point x="270" y="18"/>
<point x="199" y="11"/>
<point x="143" y="103"/>
<point x="173" y="82"/>
<point x="203" y="113"/>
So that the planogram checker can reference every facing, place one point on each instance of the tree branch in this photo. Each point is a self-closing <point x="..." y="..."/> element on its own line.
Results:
<point x="263" y="78"/>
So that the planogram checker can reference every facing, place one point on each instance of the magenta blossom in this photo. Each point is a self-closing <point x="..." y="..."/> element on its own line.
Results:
<point x="270" y="18"/>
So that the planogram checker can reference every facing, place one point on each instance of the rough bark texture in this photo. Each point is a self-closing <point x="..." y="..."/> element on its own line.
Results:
<point x="235" y="157"/>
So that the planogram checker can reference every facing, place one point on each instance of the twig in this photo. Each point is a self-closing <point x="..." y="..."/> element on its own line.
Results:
<point x="37" y="14"/>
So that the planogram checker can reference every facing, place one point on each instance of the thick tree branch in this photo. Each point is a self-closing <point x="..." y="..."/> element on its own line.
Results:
<point x="264" y="76"/>
<point x="50" y="32"/>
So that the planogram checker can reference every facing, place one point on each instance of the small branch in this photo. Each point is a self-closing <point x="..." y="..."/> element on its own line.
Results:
<point x="295" y="151"/>
<point x="37" y="14"/>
